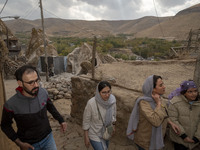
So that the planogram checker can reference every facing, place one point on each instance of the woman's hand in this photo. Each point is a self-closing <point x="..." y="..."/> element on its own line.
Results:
<point x="175" y="127"/>
<point x="113" y="130"/>
<point x="86" y="139"/>
<point x="156" y="98"/>
<point x="188" y="140"/>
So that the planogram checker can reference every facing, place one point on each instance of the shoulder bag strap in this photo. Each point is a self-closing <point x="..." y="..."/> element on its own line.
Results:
<point x="99" y="113"/>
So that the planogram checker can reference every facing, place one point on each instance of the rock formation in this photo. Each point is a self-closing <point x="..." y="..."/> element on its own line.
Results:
<point x="79" y="55"/>
<point x="36" y="47"/>
<point x="3" y="52"/>
<point x="4" y="30"/>
<point x="7" y="65"/>
<point x="107" y="58"/>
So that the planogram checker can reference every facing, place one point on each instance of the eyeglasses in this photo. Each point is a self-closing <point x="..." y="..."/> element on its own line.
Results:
<point x="106" y="92"/>
<point x="32" y="82"/>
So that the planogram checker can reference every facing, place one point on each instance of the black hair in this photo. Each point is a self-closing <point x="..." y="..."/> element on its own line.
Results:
<point x="155" y="78"/>
<point x="103" y="84"/>
<point x="183" y="92"/>
<point x="26" y="68"/>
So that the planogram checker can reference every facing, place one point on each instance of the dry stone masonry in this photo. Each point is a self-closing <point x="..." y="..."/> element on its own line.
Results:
<point x="59" y="87"/>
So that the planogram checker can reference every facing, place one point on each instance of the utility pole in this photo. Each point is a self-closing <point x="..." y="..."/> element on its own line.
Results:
<point x="196" y="76"/>
<point x="45" y="52"/>
<point x="94" y="56"/>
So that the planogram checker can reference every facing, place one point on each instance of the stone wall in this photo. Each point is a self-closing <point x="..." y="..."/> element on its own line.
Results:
<point x="82" y="90"/>
<point x="58" y="87"/>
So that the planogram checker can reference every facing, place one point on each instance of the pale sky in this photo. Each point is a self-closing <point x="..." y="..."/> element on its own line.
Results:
<point x="94" y="9"/>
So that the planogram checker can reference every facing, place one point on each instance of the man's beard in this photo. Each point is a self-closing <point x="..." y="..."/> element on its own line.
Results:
<point x="31" y="92"/>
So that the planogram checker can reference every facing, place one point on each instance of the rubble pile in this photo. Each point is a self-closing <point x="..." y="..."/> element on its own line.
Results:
<point x="59" y="87"/>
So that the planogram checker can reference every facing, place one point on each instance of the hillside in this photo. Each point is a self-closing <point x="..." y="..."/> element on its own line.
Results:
<point x="173" y="27"/>
<point x="176" y="27"/>
<point x="193" y="9"/>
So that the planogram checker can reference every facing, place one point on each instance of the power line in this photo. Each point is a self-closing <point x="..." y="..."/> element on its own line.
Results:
<point x="3" y="6"/>
<point x="158" y="19"/>
<point x="61" y="19"/>
<point x="30" y="11"/>
<point x="51" y="13"/>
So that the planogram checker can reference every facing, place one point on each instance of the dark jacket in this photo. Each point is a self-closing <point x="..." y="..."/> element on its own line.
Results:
<point x="30" y="115"/>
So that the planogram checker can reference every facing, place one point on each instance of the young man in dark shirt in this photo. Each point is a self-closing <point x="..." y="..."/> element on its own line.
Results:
<point x="28" y="107"/>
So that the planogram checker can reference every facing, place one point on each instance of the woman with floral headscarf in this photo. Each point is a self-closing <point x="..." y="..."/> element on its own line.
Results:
<point x="99" y="113"/>
<point x="184" y="111"/>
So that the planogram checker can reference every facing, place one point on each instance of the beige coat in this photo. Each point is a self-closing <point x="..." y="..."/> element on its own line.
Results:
<point x="187" y="117"/>
<point x="148" y="118"/>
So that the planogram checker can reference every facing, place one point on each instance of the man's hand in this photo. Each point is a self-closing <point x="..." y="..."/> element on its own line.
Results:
<point x="26" y="146"/>
<point x="63" y="127"/>
<point x="23" y="146"/>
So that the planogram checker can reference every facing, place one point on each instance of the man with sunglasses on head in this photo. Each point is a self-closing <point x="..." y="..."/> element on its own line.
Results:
<point x="28" y="107"/>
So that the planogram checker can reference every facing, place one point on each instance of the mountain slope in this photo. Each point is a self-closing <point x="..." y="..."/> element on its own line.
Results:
<point x="174" y="27"/>
<point x="177" y="27"/>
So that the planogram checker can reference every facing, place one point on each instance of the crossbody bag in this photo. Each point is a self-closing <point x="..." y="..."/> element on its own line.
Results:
<point x="108" y="129"/>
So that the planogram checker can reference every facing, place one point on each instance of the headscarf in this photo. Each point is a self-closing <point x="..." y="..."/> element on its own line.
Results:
<point x="185" y="85"/>
<point x="156" y="141"/>
<point x="107" y="105"/>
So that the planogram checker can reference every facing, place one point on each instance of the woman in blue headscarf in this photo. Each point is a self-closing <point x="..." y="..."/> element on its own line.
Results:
<point x="184" y="110"/>
<point x="148" y="120"/>
<point x="99" y="114"/>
